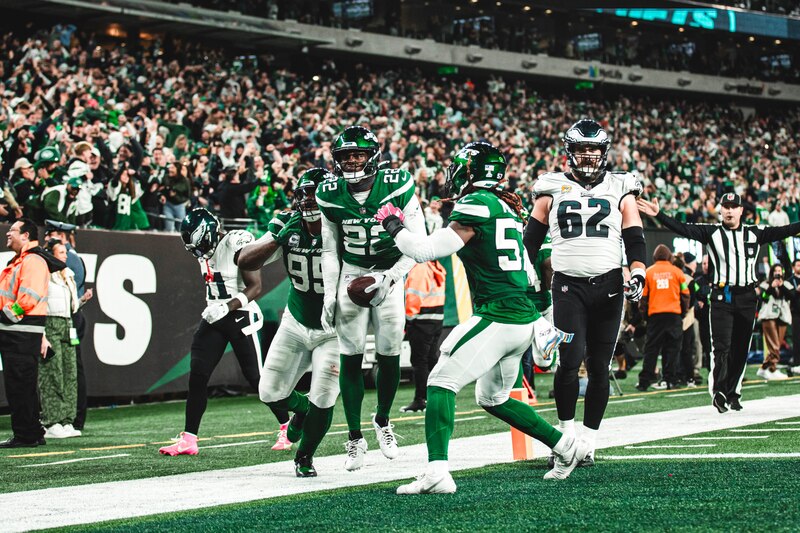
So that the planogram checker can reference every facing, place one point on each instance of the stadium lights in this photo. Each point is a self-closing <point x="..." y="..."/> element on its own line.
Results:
<point x="353" y="42"/>
<point x="526" y="8"/>
<point x="498" y="4"/>
<point x="635" y="76"/>
<point x="412" y="49"/>
<point x="777" y="41"/>
<point x="474" y="58"/>
<point x="751" y="39"/>
<point x="683" y="82"/>
<point x="527" y="64"/>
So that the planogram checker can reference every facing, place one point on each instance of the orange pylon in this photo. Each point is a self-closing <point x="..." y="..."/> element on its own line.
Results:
<point x="521" y="444"/>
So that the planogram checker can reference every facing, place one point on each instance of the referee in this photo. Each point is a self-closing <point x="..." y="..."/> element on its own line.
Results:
<point x="733" y="251"/>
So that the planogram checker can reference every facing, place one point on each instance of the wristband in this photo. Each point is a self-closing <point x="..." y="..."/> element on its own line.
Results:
<point x="17" y="309"/>
<point x="242" y="299"/>
<point x="393" y="225"/>
<point x="638" y="272"/>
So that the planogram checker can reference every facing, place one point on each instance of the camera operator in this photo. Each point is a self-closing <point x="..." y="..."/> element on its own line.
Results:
<point x="775" y="314"/>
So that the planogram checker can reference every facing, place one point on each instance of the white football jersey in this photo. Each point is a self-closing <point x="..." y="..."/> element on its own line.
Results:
<point x="586" y="223"/>
<point x="223" y="277"/>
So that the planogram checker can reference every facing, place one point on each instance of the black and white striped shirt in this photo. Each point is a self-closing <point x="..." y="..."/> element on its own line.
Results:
<point x="733" y="253"/>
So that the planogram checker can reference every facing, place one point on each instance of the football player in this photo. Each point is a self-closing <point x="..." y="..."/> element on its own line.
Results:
<point x="486" y="232"/>
<point x="300" y="344"/>
<point x="590" y="213"/>
<point x="232" y="316"/>
<point x="355" y="245"/>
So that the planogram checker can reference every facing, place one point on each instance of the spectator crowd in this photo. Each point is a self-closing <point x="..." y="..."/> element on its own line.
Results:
<point x="129" y="139"/>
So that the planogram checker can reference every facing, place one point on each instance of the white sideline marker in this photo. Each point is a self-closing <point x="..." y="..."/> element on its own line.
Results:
<point x="754" y="386"/>
<point x="76" y="460"/>
<point x="626" y="401"/>
<point x="674" y="394"/>
<point x="787" y="423"/>
<point x="788" y="455"/>
<point x="728" y="438"/>
<point x="654" y="446"/>
<point x="763" y="430"/>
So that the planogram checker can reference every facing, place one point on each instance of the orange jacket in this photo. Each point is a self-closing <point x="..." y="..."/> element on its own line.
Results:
<point x="425" y="291"/>
<point x="24" y="283"/>
<point x="664" y="285"/>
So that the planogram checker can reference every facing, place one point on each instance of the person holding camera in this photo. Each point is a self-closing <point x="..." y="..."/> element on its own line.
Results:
<point x="775" y="314"/>
<point x="175" y="195"/>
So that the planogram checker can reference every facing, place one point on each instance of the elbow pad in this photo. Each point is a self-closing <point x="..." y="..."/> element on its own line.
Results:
<point x="440" y="243"/>
<point x="534" y="236"/>
<point x="635" y="248"/>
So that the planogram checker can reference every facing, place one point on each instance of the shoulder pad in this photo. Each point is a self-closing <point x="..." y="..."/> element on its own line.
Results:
<point x="626" y="183"/>
<point x="238" y="239"/>
<point x="550" y="183"/>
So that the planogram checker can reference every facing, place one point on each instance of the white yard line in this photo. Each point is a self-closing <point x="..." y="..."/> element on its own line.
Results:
<point x="788" y="423"/>
<point x="695" y="393"/>
<point x="64" y="506"/>
<point x="787" y="455"/>
<point x="626" y="401"/>
<point x="766" y="430"/>
<point x="76" y="460"/>
<point x="654" y="446"/>
<point x="237" y="444"/>
<point x="728" y="438"/>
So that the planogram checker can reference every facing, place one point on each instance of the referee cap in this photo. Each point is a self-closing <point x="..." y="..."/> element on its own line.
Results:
<point x="731" y="198"/>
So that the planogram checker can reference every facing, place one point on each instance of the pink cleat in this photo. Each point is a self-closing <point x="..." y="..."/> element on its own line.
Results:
<point x="186" y="445"/>
<point x="283" y="442"/>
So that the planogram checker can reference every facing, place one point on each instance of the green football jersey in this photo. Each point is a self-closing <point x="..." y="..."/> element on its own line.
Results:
<point x="302" y="258"/>
<point x="493" y="259"/>
<point x="541" y="296"/>
<point x="364" y="242"/>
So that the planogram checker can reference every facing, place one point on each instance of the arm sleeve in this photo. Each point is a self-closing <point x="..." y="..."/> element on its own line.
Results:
<point x="697" y="232"/>
<point x="414" y="223"/>
<point x="778" y="233"/>
<point x="330" y="258"/>
<point x="535" y="233"/>
<point x="441" y="243"/>
<point x="635" y="247"/>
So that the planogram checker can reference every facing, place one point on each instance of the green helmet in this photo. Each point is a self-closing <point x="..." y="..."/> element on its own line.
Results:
<point x="305" y="192"/>
<point x="200" y="233"/>
<point x="478" y="165"/>
<point x="356" y="138"/>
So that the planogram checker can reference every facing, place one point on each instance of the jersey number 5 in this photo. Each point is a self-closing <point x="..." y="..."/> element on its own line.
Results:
<point x="570" y="222"/>
<point x="504" y="243"/>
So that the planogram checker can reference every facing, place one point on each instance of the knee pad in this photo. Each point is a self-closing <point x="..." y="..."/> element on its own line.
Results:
<point x="324" y="399"/>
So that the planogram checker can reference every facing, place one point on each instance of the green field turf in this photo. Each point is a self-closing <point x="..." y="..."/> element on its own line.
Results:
<point x="139" y="430"/>
<point x="615" y="495"/>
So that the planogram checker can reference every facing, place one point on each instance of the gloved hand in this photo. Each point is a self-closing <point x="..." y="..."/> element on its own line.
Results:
<point x="391" y="218"/>
<point x="381" y="287"/>
<point x="634" y="288"/>
<point x="215" y="312"/>
<point x="328" y="313"/>
<point x="292" y="227"/>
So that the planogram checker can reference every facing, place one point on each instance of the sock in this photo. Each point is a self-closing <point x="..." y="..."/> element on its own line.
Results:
<point x="284" y="425"/>
<point x="567" y="427"/>
<point x="355" y="434"/>
<point x="351" y="383"/>
<point x="523" y="417"/>
<point x="382" y="421"/>
<point x="440" y="419"/>
<point x="563" y="444"/>
<point x="387" y="382"/>
<point x="438" y="468"/>
<point x="295" y="402"/>
<point x="590" y="436"/>
<point x="316" y="424"/>
<point x="281" y="414"/>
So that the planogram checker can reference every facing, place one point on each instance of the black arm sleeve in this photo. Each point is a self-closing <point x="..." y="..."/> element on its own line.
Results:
<point x="635" y="248"/>
<point x="697" y="232"/>
<point x="778" y="233"/>
<point x="533" y="238"/>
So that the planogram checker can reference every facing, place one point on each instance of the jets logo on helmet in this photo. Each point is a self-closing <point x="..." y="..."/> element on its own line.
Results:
<point x="305" y="197"/>
<point x="586" y="144"/>
<point x="200" y="233"/>
<point x="359" y="140"/>
<point x="478" y="165"/>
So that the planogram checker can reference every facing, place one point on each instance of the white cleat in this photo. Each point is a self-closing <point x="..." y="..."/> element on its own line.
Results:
<point x="776" y="375"/>
<point x="429" y="484"/>
<point x="356" y="450"/>
<point x="386" y="439"/>
<point x="566" y="463"/>
<point x="762" y="373"/>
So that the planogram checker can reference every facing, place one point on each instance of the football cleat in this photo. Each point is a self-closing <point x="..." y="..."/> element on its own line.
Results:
<point x="356" y="449"/>
<point x="304" y="466"/>
<point x="735" y="404"/>
<point x="762" y="373"/>
<point x="414" y="407"/>
<point x="294" y="431"/>
<point x="718" y="402"/>
<point x="186" y="445"/>
<point x="386" y="439"/>
<point x="587" y="461"/>
<point x="283" y="442"/>
<point x="428" y="483"/>
<point x="566" y="463"/>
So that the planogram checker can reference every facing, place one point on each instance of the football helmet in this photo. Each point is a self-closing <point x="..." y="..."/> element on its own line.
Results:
<point x="305" y="197"/>
<point x="356" y="138"/>
<point x="478" y="165"/>
<point x="582" y="135"/>
<point x="200" y="233"/>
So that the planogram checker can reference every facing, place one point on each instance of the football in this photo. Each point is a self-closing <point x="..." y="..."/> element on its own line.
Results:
<point x="356" y="290"/>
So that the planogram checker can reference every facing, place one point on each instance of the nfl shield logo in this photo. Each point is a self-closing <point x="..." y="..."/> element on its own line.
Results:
<point x="564" y="288"/>
<point x="363" y="210"/>
<point x="294" y="240"/>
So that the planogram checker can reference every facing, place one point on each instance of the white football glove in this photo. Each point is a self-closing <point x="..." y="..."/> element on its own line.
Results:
<point x="328" y="313"/>
<point x="381" y="287"/>
<point x="215" y="312"/>
<point x="634" y="288"/>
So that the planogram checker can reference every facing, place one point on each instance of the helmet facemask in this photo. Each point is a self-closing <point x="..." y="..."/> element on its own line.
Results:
<point x="355" y="172"/>
<point x="582" y="137"/>
<point x="305" y="201"/>
<point x="199" y="231"/>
